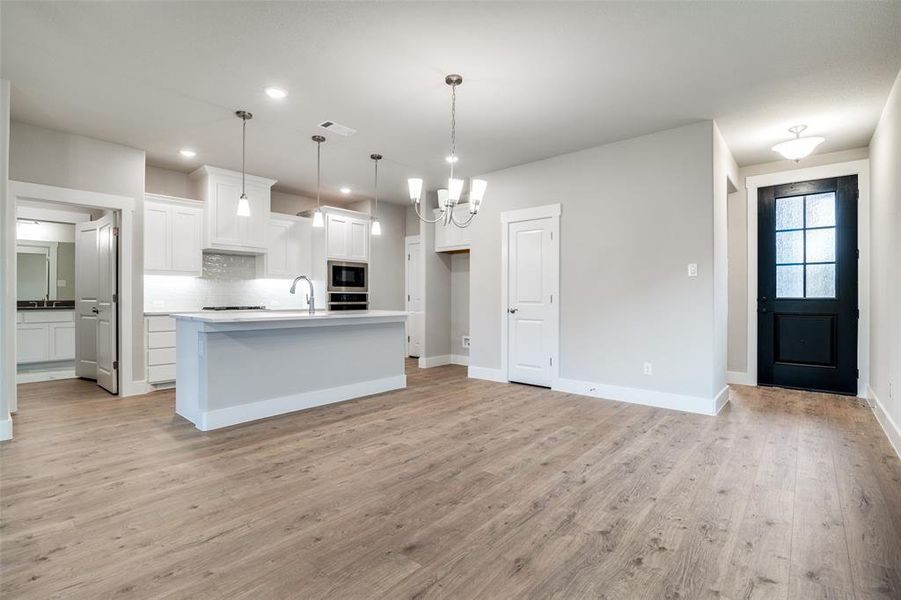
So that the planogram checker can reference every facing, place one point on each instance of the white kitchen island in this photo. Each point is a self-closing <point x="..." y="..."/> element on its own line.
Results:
<point x="239" y="366"/>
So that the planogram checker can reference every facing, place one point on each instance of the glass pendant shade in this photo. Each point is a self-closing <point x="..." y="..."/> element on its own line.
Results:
<point x="243" y="206"/>
<point x="798" y="148"/>
<point x="477" y="189"/>
<point x="318" y="221"/>
<point x="454" y="189"/>
<point x="415" y="185"/>
<point x="442" y="199"/>
<point x="376" y="227"/>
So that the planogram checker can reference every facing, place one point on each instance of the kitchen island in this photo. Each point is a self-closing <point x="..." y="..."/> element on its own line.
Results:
<point x="235" y="367"/>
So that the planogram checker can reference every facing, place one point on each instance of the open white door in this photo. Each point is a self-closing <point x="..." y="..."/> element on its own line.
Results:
<point x="532" y="316"/>
<point x="96" y="288"/>
<point x="413" y="281"/>
<point x="86" y="292"/>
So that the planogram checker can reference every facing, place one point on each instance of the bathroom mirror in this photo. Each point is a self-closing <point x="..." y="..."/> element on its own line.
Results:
<point x="45" y="261"/>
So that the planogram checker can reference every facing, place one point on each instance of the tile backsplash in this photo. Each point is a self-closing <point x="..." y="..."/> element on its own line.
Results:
<point x="228" y="280"/>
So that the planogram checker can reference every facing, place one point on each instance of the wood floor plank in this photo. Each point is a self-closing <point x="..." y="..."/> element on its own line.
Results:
<point x="451" y="488"/>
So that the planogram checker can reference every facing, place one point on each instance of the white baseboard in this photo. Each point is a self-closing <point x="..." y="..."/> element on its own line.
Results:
<point x="486" y="374"/>
<point x="225" y="417"/>
<point x="427" y="362"/>
<point x="6" y="428"/>
<point x="460" y="359"/>
<point x="891" y="429"/>
<point x="740" y="378"/>
<point x="49" y="375"/>
<point x="135" y="388"/>
<point x="693" y="404"/>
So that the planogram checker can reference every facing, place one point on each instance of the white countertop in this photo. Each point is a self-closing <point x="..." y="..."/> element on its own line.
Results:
<point x="262" y="316"/>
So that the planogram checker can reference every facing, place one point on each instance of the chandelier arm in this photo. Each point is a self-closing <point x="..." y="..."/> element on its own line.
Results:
<point x="465" y="223"/>
<point x="423" y="219"/>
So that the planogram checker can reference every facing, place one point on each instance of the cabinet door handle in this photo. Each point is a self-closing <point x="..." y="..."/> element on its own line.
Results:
<point x="95" y="310"/>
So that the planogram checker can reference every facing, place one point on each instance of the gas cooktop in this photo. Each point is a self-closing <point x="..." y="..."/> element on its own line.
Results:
<point x="234" y="308"/>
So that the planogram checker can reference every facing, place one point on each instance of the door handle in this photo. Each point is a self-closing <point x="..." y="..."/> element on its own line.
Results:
<point x="512" y="310"/>
<point x="95" y="310"/>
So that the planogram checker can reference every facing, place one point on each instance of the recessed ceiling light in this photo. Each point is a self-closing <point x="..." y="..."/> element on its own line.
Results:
<point x="345" y="190"/>
<point x="187" y="153"/>
<point x="276" y="93"/>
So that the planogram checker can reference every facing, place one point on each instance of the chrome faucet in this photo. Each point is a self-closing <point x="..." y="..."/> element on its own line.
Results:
<point x="311" y="298"/>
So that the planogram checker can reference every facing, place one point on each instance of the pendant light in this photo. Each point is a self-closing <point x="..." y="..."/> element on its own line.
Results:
<point x="799" y="147"/>
<point x="318" y="221"/>
<point x="243" y="203"/>
<point x="450" y="197"/>
<point x="376" y="227"/>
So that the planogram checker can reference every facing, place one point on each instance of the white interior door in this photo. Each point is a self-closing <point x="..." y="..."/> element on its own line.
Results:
<point x="96" y="287"/>
<point x="532" y="280"/>
<point x="107" y="296"/>
<point x="414" y="296"/>
<point x="86" y="291"/>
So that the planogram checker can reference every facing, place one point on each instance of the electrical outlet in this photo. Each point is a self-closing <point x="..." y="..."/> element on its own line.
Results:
<point x="648" y="368"/>
<point x="465" y="341"/>
<point x="692" y="269"/>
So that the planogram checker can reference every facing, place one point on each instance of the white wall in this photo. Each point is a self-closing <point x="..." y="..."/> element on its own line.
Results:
<point x="168" y="182"/>
<point x="437" y="291"/>
<point x="725" y="178"/>
<point x="738" y="245"/>
<point x="885" y="266"/>
<point x="459" y="321"/>
<point x="386" y="261"/>
<point x="50" y="157"/>
<point x="8" y="263"/>
<point x="634" y="214"/>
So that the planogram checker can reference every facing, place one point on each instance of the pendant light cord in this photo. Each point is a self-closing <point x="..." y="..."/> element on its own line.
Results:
<point x="318" y="170"/>
<point x="243" y="152"/>
<point x="453" y="128"/>
<point x="376" y="213"/>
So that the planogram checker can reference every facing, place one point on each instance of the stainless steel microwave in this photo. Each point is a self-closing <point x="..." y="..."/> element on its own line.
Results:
<point x="347" y="276"/>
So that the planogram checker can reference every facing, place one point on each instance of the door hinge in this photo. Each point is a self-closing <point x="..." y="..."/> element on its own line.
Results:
<point x="115" y="297"/>
<point x="858" y="313"/>
<point x="408" y="297"/>
<point x="408" y="257"/>
<point x="115" y="365"/>
<point x="857" y="253"/>
<point x="552" y="298"/>
<point x="116" y="231"/>
<point x="856" y="194"/>
<point x="857" y="371"/>
<point x="408" y="339"/>
<point x="551" y="361"/>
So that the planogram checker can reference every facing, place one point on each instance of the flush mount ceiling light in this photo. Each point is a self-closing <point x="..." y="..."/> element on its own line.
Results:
<point x="799" y="147"/>
<point x="243" y="202"/>
<point x="276" y="93"/>
<point x="376" y="227"/>
<point x="318" y="221"/>
<point x="187" y="153"/>
<point x="345" y="190"/>
<point x="449" y="198"/>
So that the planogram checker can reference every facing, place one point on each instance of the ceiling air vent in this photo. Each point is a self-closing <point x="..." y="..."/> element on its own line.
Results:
<point x="338" y="128"/>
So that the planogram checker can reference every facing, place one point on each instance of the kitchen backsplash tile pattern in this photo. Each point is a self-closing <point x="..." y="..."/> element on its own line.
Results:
<point x="228" y="280"/>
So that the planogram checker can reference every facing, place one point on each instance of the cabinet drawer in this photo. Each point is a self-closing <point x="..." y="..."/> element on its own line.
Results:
<point x="161" y="339"/>
<point x="160" y="373"/>
<point x="160" y="323"/>
<point x="161" y="356"/>
<point x="49" y="316"/>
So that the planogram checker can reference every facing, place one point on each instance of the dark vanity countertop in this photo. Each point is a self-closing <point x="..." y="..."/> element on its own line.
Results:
<point x="60" y="305"/>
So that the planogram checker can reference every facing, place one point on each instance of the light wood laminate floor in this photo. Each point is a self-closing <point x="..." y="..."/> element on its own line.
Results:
<point x="452" y="488"/>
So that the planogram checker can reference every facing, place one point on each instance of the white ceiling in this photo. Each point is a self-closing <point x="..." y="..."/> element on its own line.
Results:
<point x="541" y="79"/>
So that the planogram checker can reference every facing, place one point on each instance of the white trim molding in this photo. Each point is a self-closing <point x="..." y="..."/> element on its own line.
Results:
<point x="486" y="374"/>
<point x="548" y="211"/>
<point x="234" y="415"/>
<point x="682" y="402"/>
<point x="740" y="378"/>
<point x="891" y="429"/>
<point x="427" y="362"/>
<point x="861" y="168"/>
<point x="6" y="428"/>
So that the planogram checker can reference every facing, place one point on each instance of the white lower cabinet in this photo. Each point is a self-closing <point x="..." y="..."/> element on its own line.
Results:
<point x="45" y="336"/>
<point x="160" y="336"/>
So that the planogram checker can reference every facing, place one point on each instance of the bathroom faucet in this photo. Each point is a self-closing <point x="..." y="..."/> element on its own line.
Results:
<point x="311" y="298"/>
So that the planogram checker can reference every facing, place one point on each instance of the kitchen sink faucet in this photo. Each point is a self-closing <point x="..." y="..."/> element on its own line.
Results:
<point x="311" y="298"/>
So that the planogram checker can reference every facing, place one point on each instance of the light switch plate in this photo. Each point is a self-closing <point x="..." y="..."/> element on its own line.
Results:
<point x="692" y="269"/>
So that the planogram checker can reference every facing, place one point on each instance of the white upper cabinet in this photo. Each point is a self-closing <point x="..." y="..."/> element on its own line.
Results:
<point x="451" y="238"/>
<point x="347" y="236"/>
<point x="288" y="247"/>
<point x="173" y="235"/>
<point x="224" y="229"/>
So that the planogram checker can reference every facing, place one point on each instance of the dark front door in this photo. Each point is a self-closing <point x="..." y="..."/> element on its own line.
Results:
<point x="807" y="285"/>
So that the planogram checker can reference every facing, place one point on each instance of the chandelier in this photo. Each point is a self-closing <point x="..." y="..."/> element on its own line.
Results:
<point x="450" y="197"/>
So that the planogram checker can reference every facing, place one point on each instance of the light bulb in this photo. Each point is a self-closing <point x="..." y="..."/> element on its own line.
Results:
<point x="415" y="185"/>
<point x="318" y="221"/>
<point x="376" y="227"/>
<point x="454" y="189"/>
<point x="243" y="206"/>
